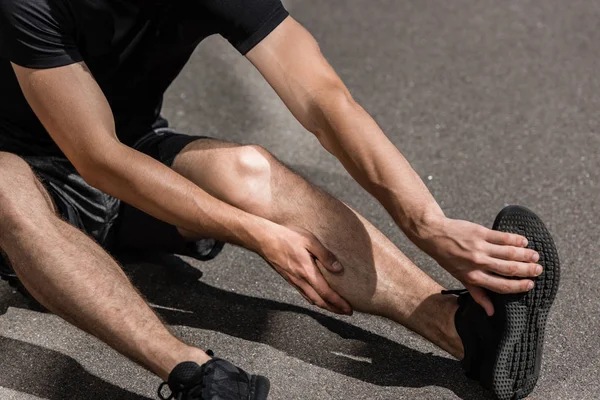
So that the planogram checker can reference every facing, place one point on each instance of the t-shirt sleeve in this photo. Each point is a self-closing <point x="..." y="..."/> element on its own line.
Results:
<point x="37" y="33"/>
<point x="244" y="23"/>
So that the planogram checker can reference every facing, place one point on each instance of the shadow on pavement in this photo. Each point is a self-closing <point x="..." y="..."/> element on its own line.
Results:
<point x="307" y="335"/>
<point x="169" y="282"/>
<point x="48" y="374"/>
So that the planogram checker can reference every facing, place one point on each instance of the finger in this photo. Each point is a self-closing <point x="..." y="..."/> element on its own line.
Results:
<point x="295" y="286"/>
<point x="513" y="253"/>
<point x="311" y="296"/>
<point x="315" y="298"/>
<point x="512" y="268"/>
<point x="506" y="239"/>
<point x="327" y="259"/>
<point x="316" y="280"/>
<point x="481" y="298"/>
<point x="304" y="295"/>
<point x="502" y="285"/>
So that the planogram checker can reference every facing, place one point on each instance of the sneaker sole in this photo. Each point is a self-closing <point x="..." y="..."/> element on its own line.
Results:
<point x="517" y="366"/>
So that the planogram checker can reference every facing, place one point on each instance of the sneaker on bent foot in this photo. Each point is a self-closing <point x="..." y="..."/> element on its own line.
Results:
<point x="504" y="352"/>
<point x="215" y="380"/>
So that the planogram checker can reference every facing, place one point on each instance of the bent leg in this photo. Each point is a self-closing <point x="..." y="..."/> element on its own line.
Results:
<point x="75" y="278"/>
<point x="378" y="278"/>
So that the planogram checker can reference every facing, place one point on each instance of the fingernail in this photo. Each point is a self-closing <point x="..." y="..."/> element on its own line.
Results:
<point x="525" y="242"/>
<point x="337" y="266"/>
<point x="530" y="285"/>
<point x="535" y="257"/>
<point x="539" y="269"/>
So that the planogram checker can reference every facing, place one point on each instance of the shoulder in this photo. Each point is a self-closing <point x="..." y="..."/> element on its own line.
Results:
<point x="23" y="12"/>
<point x="246" y="23"/>
<point x="37" y="33"/>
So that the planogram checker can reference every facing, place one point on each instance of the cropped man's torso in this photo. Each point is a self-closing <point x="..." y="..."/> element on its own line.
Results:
<point x="134" y="52"/>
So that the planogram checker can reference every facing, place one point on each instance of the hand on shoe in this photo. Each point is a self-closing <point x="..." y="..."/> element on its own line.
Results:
<point x="293" y="252"/>
<point x="481" y="258"/>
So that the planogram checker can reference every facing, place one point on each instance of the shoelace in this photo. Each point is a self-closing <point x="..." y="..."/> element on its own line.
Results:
<point x="210" y="353"/>
<point x="457" y="292"/>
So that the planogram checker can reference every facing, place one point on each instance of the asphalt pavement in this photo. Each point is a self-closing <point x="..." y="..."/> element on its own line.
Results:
<point x="493" y="103"/>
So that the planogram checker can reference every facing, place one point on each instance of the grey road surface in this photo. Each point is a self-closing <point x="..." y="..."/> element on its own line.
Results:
<point x="493" y="102"/>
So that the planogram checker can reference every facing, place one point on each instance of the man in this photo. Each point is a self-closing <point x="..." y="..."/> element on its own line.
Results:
<point x="88" y="165"/>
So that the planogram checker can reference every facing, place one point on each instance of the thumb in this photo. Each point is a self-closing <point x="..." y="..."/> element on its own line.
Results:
<point x="325" y="257"/>
<point x="481" y="298"/>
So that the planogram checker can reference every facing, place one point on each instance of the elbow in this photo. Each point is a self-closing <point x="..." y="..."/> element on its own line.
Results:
<point x="92" y="173"/>
<point x="329" y="111"/>
<point x="95" y="167"/>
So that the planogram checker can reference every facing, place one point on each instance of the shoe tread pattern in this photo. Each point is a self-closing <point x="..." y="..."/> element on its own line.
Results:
<point x="520" y="349"/>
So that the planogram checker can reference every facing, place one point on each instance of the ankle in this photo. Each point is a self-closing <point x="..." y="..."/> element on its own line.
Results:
<point x="198" y="356"/>
<point x="181" y="353"/>
<point x="434" y="320"/>
<point x="453" y="341"/>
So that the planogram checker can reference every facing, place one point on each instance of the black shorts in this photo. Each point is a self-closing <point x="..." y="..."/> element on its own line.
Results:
<point x="116" y="225"/>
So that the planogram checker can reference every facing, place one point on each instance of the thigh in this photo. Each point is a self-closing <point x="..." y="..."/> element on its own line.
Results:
<point x="136" y="230"/>
<point x="24" y="182"/>
<point x="80" y="204"/>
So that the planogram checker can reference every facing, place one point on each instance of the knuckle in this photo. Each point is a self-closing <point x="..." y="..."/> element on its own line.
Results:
<point x="471" y="278"/>
<point x="481" y="230"/>
<point x="512" y="269"/>
<point x="497" y="267"/>
<point x="330" y="257"/>
<point x="322" y="304"/>
<point x="505" y="288"/>
<point x="302" y="274"/>
<point x="333" y="298"/>
<point x="511" y="253"/>
<point x="478" y="259"/>
<point x="510" y="238"/>
<point x="478" y="245"/>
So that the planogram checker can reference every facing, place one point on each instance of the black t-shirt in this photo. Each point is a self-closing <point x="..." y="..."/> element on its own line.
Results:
<point x="134" y="49"/>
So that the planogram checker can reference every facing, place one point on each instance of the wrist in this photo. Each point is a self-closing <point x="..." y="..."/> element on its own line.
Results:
<point x="425" y="225"/>
<point x="259" y="233"/>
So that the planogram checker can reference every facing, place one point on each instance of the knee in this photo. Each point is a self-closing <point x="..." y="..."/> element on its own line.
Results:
<point x="253" y="162"/>
<point x="253" y="168"/>
<point x="13" y="170"/>
<point x="10" y="166"/>
<point x="20" y="190"/>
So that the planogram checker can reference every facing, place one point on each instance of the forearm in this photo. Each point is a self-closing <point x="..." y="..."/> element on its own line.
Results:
<point x="347" y="131"/>
<point x="159" y="191"/>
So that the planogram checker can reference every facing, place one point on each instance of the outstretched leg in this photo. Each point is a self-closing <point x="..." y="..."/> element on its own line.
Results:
<point x="75" y="278"/>
<point x="378" y="278"/>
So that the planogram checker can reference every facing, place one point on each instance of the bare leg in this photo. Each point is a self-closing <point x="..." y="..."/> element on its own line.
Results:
<point x="75" y="278"/>
<point x="378" y="278"/>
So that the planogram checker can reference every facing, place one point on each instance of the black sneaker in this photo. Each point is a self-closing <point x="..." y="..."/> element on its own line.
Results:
<point x="504" y="352"/>
<point x="215" y="380"/>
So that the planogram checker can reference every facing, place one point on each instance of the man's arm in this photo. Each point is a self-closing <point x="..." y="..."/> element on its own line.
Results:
<point x="290" y="59"/>
<point x="74" y="111"/>
<point x="76" y="114"/>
